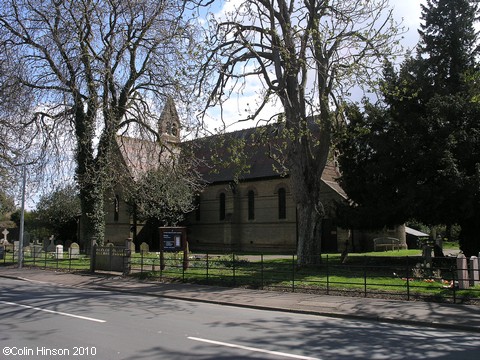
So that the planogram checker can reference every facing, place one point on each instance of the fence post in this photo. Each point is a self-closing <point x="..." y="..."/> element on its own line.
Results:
<point x="261" y="271"/>
<point x="141" y="261"/>
<point x="233" y="265"/>
<point x="207" y="270"/>
<point x="462" y="271"/>
<point x="408" y="281"/>
<point x="45" y="259"/>
<point x="474" y="271"/>
<point x="293" y="273"/>
<point x="328" y="278"/>
<point x="93" y="256"/>
<point x="365" y="277"/>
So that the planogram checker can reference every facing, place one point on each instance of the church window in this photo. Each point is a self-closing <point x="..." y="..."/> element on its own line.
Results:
<point x="251" y="205"/>
<point x="197" y="210"/>
<point x="282" y="204"/>
<point x="222" y="206"/>
<point x="116" y="206"/>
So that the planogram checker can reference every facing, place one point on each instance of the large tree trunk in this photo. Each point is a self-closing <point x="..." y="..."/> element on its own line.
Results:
<point x="309" y="220"/>
<point x="307" y="157"/>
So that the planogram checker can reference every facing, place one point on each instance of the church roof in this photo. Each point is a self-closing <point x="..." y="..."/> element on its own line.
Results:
<point x="254" y="151"/>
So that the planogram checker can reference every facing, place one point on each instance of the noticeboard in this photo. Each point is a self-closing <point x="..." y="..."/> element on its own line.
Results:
<point x="172" y="239"/>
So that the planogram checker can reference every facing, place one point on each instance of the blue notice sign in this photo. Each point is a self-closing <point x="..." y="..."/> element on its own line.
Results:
<point x="172" y="240"/>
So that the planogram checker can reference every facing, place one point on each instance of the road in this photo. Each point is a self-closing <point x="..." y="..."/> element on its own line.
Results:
<point x="42" y="321"/>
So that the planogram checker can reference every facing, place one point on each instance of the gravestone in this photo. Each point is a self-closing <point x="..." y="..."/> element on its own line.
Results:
<point x="59" y="251"/>
<point x="50" y="246"/>
<point x="4" y="241"/>
<point x="474" y="275"/>
<point x="27" y="251"/>
<point x="132" y="247"/>
<point x="37" y="251"/>
<point x="74" y="251"/>
<point x="462" y="272"/>
<point x="15" y="246"/>
<point x="144" y="248"/>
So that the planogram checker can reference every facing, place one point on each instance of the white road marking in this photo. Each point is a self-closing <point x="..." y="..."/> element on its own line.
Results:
<point x="54" y="312"/>
<point x="277" y="353"/>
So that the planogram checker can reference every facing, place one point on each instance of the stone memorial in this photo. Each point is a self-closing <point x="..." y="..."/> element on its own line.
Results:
<point x="49" y="244"/>
<point x="474" y="274"/>
<point x="74" y="251"/>
<point x="37" y="250"/>
<point x="4" y="241"/>
<point x="462" y="272"/>
<point x="144" y="248"/>
<point x="27" y="251"/>
<point x="59" y="251"/>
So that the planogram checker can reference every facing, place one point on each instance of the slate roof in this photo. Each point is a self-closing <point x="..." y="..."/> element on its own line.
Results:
<point x="258" y="153"/>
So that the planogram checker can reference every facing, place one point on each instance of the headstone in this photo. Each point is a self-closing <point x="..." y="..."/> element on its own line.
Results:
<point x="15" y="246"/>
<point x="27" y="251"/>
<point x="132" y="247"/>
<point x="37" y="251"/>
<point x="50" y="246"/>
<point x="110" y="244"/>
<point x="144" y="248"/>
<point x="2" y="252"/>
<point x="74" y="251"/>
<point x="462" y="272"/>
<point x="59" y="251"/>
<point x="26" y="238"/>
<point x="5" y="232"/>
<point x="474" y="275"/>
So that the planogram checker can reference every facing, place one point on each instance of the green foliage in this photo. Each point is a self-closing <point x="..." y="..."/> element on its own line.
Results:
<point x="165" y="194"/>
<point x="7" y="205"/>
<point x="58" y="212"/>
<point x="417" y="154"/>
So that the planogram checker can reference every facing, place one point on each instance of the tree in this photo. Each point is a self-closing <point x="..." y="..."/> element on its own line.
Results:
<point x="166" y="193"/>
<point x="308" y="55"/>
<point x="95" y="68"/>
<point x="59" y="212"/>
<point x="416" y="155"/>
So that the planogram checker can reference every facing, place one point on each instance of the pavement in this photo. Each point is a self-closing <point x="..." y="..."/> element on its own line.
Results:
<point x="418" y="313"/>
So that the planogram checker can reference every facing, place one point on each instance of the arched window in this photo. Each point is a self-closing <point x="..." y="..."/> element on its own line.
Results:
<point x="116" y="206"/>
<point x="251" y="205"/>
<point x="174" y="129"/>
<point x="282" y="203"/>
<point x="197" y="209"/>
<point x="222" y="207"/>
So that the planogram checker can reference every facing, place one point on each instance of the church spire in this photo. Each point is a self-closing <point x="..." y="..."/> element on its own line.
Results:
<point x="169" y="123"/>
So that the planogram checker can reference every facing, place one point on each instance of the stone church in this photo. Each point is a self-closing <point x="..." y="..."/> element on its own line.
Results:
<point x="247" y="204"/>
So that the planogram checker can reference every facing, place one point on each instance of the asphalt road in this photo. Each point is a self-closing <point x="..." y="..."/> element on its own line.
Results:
<point x="40" y="321"/>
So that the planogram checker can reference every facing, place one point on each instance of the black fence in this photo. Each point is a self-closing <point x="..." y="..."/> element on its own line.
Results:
<point x="70" y="261"/>
<point x="403" y="278"/>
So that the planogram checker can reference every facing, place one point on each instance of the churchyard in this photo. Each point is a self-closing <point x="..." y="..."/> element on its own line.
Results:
<point x="397" y="274"/>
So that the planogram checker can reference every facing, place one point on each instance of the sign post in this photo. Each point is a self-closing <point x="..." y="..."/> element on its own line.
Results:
<point x="173" y="239"/>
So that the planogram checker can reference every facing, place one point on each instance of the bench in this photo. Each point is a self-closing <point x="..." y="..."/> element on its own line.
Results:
<point x="386" y="243"/>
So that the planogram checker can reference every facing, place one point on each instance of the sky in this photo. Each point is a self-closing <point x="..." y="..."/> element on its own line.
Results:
<point x="406" y="12"/>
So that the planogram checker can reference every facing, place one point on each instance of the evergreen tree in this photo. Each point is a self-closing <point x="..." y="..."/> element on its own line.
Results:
<point x="448" y="43"/>
<point x="424" y="141"/>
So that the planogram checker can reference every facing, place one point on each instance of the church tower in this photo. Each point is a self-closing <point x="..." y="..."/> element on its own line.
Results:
<point x="169" y="123"/>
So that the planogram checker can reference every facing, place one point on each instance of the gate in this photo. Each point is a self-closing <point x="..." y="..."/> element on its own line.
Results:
<point x="111" y="258"/>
